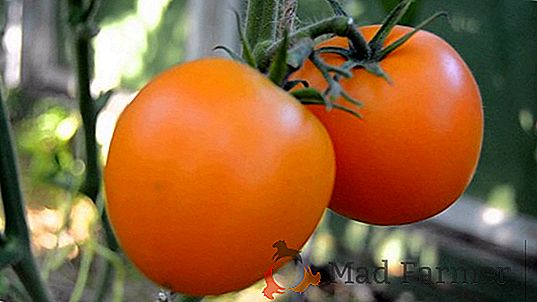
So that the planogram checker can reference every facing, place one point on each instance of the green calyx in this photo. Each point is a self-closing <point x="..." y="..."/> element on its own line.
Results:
<point x="272" y="45"/>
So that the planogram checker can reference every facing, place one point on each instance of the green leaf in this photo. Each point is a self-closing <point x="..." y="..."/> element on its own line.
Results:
<point x="337" y="8"/>
<point x="343" y="52"/>
<point x="247" y="52"/>
<point x="235" y="56"/>
<point x="389" y="23"/>
<point x="390" y="48"/>
<point x="310" y="96"/>
<point x="102" y="100"/>
<point x="410" y="15"/>
<point x="375" y="69"/>
<point x="300" y="52"/>
<point x="292" y="84"/>
<point x="278" y="69"/>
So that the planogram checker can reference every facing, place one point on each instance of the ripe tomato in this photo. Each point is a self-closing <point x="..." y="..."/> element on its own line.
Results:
<point x="208" y="167"/>
<point x="417" y="147"/>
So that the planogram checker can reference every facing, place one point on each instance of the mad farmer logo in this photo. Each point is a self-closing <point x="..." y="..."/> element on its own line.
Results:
<point x="282" y="255"/>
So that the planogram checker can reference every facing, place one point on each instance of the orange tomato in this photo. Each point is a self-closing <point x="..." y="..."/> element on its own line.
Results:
<point x="417" y="147"/>
<point x="208" y="167"/>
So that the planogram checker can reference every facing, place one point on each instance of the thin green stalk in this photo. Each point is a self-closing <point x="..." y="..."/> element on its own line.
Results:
<point x="17" y="235"/>
<point x="261" y="20"/>
<point x="88" y="110"/>
<point x="107" y="271"/>
<point x="16" y="226"/>
<point x="82" y="28"/>
<point x="83" y="273"/>
<point x="390" y="48"/>
<point x="28" y="273"/>
<point x="104" y="279"/>
<point x="117" y="264"/>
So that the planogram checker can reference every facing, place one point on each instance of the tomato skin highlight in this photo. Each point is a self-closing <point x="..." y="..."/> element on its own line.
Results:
<point x="208" y="167"/>
<point x="417" y="147"/>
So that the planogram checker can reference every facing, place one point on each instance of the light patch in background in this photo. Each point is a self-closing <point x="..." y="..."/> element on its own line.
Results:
<point x="503" y="197"/>
<point x="392" y="250"/>
<point x="250" y="294"/>
<point x="150" y="11"/>
<point x="355" y="235"/>
<point x="13" y="47"/>
<point x="107" y="119"/>
<point x="501" y="204"/>
<point x="355" y="8"/>
<point x="120" y="45"/>
<point x="493" y="216"/>
<point x="467" y="24"/>
<point x="50" y="230"/>
<point x="67" y="128"/>
<point x="322" y="248"/>
<point x="526" y="120"/>
<point x="119" y="49"/>
<point x="12" y="44"/>
<point x="429" y="255"/>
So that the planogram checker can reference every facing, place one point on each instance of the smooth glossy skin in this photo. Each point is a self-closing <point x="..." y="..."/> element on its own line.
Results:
<point x="418" y="145"/>
<point x="208" y="167"/>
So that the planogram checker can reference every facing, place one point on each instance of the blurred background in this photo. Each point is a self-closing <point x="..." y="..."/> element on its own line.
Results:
<point x="493" y="225"/>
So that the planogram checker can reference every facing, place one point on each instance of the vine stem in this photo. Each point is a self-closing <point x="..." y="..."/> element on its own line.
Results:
<point x="83" y="29"/>
<point x="286" y="17"/>
<point x="17" y="236"/>
<point x="339" y="25"/>
<point x="88" y="111"/>
<point x="261" y="20"/>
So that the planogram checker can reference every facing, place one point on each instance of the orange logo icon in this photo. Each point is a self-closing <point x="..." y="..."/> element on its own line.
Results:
<point x="272" y="287"/>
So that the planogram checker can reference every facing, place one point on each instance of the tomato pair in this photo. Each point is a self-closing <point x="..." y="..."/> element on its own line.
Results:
<point x="212" y="163"/>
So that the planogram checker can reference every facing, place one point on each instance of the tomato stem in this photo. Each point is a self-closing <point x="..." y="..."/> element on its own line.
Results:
<point x="286" y="17"/>
<point x="247" y="52"/>
<point x="389" y="23"/>
<point x="278" y="70"/>
<point x="15" y="247"/>
<point x="390" y="48"/>
<point x="334" y="90"/>
<point x="84" y="29"/>
<point x="261" y="20"/>
<point x="337" y="8"/>
<point x="340" y="26"/>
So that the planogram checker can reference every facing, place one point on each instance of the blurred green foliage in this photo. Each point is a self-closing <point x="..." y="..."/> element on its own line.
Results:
<point x="45" y="141"/>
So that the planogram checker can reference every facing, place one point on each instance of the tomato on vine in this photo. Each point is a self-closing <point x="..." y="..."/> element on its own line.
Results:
<point x="417" y="145"/>
<point x="208" y="167"/>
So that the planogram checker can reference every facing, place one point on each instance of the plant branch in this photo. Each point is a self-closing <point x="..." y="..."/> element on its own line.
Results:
<point x="9" y="254"/>
<point x="88" y="110"/>
<point x="83" y="273"/>
<point x="340" y="26"/>
<point x="286" y="17"/>
<point x="117" y="264"/>
<point x="261" y="20"/>
<point x="16" y="226"/>
<point x="28" y="273"/>
<point x="17" y="236"/>
<point x="390" y="48"/>
<point x="83" y="30"/>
